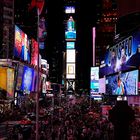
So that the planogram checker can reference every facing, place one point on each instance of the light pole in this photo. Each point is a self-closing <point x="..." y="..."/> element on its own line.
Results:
<point x="38" y="79"/>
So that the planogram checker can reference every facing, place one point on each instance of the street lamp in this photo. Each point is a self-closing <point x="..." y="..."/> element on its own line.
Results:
<point x="37" y="94"/>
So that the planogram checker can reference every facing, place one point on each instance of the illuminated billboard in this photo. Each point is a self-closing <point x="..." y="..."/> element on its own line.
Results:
<point x="22" y="46"/>
<point x="123" y="56"/>
<point x="34" y="52"/>
<point x="102" y="85"/>
<point x="70" y="33"/>
<point x="19" y="77"/>
<point x="10" y="82"/>
<point x="94" y="80"/>
<point x="70" y="55"/>
<point x="7" y="81"/>
<point x="70" y="70"/>
<point x="122" y="84"/>
<point x="70" y="45"/>
<point x="69" y="9"/>
<point x="42" y="32"/>
<point x="27" y="79"/>
<point x="18" y="42"/>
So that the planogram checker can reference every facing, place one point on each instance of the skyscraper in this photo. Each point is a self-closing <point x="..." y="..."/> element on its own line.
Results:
<point x="6" y="28"/>
<point x="55" y="39"/>
<point x="105" y="30"/>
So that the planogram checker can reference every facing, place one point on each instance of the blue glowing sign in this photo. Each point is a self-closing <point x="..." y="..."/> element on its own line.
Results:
<point x="27" y="79"/>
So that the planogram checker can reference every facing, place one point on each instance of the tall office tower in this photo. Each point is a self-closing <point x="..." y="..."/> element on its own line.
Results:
<point x="6" y="28"/>
<point x="55" y="39"/>
<point x="105" y="30"/>
<point x="69" y="63"/>
<point x="128" y="17"/>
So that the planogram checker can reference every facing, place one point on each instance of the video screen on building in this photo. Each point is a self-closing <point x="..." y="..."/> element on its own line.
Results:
<point x="123" y="56"/>
<point x="19" y="77"/>
<point x="6" y="82"/>
<point x="94" y="80"/>
<point x="70" y="35"/>
<point x="22" y="45"/>
<point x="102" y="86"/>
<point x="42" y="32"/>
<point x="69" y="9"/>
<point x="122" y="84"/>
<point x="34" y="52"/>
<point x="70" y="56"/>
<point x="10" y="82"/>
<point x="70" y="45"/>
<point x="27" y="79"/>
<point x="70" y="70"/>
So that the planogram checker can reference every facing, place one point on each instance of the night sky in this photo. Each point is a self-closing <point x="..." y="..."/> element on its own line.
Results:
<point x="85" y="18"/>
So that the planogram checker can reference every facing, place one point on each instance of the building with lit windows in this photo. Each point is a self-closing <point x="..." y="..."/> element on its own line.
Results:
<point x="105" y="29"/>
<point x="6" y="28"/>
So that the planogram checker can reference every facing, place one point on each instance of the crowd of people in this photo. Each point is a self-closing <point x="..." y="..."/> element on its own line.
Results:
<point x="73" y="120"/>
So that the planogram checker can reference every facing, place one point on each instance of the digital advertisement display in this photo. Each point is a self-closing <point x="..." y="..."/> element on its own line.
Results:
<point x="22" y="46"/>
<point x="70" y="71"/>
<point x="34" y="82"/>
<point x="18" y="42"/>
<point x="27" y="78"/>
<point x="10" y="82"/>
<point x="70" y="24"/>
<point x="70" y="33"/>
<point x="34" y="52"/>
<point x="94" y="80"/>
<point x="69" y="9"/>
<point x="42" y="32"/>
<point x="3" y="79"/>
<point x="70" y="55"/>
<point x="19" y="77"/>
<point x="102" y="86"/>
<point x="122" y="84"/>
<point x="7" y="82"/>
<point x="123" y="56"/>
<point x="70" y="45"/>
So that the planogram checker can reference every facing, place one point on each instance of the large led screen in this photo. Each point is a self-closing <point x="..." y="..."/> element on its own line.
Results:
<point x="123" y="56"/>
<point x="122" y="84"/>
<point x="70" y="71"/>
<point x="22" y="46"/>
<point x="19" y="77"/>
<point x="34" y="52"/>
<point x="10" y="82"/>
<point x="42" y="32"/>
<point x="70" y="55"/>
<point x="69" y="9"/>
<point x="94" y="80"/>
<point x="6" y="82"/>
<point x="70" y="45"/>
<point x="70" y="35"/>
<point x="3" y="78"/>
<point x="102" y="88"/>
<point x="27" y="79"/>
